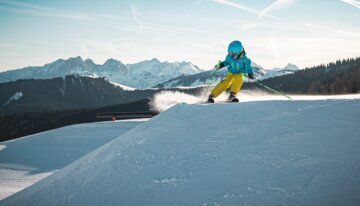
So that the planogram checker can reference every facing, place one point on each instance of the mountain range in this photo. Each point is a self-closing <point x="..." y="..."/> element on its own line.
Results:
<point x="211" y="77"/>
<point x="142" y="75"/>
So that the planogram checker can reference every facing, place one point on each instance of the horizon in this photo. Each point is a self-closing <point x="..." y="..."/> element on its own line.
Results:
<point x="274" y="33"/>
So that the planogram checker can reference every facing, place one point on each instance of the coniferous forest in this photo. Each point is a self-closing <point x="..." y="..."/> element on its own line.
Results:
<point x="341" y="77"/>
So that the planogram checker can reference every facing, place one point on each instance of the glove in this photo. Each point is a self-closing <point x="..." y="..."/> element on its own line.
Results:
<point x="219" y="65"/>
<point x="251" y="76"/>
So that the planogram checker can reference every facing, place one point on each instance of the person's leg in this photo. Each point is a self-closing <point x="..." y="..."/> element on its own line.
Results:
<point x="223" y="85"/>
<point x="237" y="83"/>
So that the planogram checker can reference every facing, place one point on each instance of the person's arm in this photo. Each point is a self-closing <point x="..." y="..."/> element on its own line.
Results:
<point x="249" y="69"/>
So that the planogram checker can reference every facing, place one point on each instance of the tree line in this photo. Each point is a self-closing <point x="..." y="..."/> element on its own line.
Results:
<point x="340" y="77"/>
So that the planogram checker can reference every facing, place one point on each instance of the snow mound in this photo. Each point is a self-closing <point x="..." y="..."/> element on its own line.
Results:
<point x="251" y="153"/>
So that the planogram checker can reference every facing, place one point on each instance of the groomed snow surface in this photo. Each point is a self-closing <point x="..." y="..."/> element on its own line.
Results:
<point x="27" y="160"/>
<point x="252" y="153"/>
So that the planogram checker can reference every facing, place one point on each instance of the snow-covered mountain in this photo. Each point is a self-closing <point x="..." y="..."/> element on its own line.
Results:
<point x="142" y="75"/>
<point x="275" y="72"/>
<point x="145" y="74"/>
<point x="252" y="153"/>
<point x="148" y="73"/>
<point x="204" y="78"/>
<point x="208" y="77"/>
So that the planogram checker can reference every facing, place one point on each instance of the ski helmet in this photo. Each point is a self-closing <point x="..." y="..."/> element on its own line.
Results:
<point x="235" y="49"/>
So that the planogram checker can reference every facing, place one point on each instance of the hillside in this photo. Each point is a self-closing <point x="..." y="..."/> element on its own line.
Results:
<point x="68" y="93"/>
<point x="340" y="77"/>
<point x="252" y="153"/>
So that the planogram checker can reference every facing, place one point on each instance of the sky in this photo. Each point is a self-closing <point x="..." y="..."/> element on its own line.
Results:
<point x="273" y="32"/>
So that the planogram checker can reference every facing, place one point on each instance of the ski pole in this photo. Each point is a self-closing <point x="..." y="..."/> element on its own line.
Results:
<point x="211" y="78"/>
<point x="268" y="88"/>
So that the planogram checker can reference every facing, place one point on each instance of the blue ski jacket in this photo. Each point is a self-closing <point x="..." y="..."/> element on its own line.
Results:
<point x="236" y="66"/>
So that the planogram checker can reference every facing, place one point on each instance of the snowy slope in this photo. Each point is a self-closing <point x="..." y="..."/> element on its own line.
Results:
<point x="252" y="153"/>
<point x="27" y="160"/>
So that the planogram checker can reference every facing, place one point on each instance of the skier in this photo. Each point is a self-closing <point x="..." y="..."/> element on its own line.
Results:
<point x="237" y="63"/>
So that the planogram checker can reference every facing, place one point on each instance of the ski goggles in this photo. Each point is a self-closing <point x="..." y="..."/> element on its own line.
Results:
<point x="236" y="55"/>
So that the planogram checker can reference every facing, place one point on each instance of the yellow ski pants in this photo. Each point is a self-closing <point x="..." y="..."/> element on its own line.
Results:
<point x="233" y="80"/>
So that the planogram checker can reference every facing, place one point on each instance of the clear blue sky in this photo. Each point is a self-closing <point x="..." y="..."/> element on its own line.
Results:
<point x="274" y="33"/>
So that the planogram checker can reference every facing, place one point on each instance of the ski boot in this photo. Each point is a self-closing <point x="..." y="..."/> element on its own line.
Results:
<point x="211" y="99"/>
<point x="232" y="97"/>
